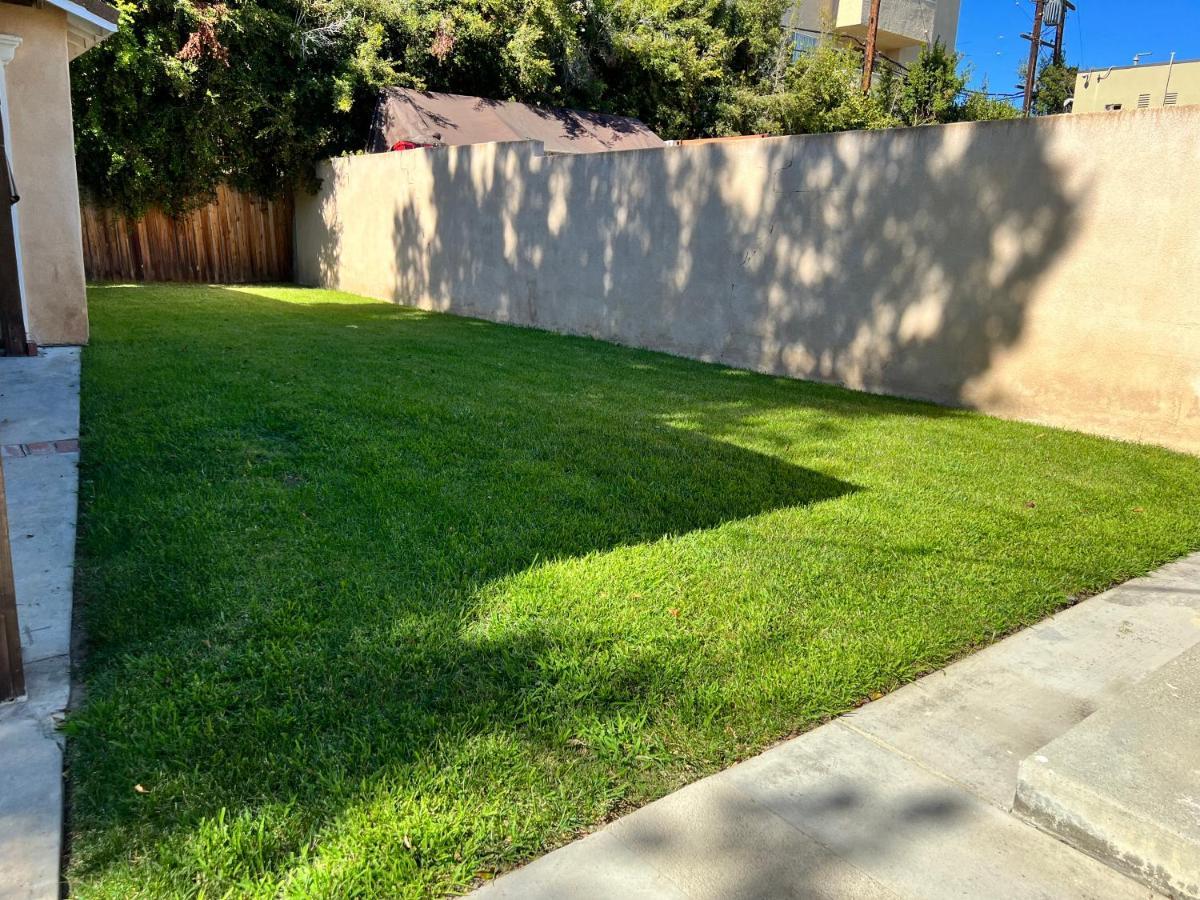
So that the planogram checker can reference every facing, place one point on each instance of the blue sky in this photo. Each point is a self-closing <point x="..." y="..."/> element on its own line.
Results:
<point x="1102" y="33"/>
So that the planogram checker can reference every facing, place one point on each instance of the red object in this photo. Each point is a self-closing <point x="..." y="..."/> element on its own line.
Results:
<point x="408" y="145"/>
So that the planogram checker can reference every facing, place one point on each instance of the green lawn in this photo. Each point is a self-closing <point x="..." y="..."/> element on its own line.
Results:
<point x="380" y="602"/>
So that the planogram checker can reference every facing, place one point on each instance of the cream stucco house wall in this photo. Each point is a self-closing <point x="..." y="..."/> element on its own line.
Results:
<point x="37" y="42"/>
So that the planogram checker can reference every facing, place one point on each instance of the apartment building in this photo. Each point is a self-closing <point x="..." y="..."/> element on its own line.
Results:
<point x="904" y="25"/>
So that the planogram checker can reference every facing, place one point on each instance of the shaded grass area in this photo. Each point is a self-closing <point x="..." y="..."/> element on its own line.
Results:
<point x="380" y="602"/>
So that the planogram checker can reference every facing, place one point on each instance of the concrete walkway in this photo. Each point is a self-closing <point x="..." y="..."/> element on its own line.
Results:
<point x="906" y="797"/>
<point x="39" y="430"/>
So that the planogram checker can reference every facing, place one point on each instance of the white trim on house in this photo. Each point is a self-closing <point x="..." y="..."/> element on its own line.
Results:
<point x="86" y="17"/>
<point x="82" y="36"/>
<point x="85" y="29"/>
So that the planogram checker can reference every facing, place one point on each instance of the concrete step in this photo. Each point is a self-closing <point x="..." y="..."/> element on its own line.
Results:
<point x="907" y="797"/>
<point x="1123" y="786"/>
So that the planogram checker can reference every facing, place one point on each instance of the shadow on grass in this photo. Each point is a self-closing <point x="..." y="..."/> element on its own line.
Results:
<point x="379" y="599"/>
<point x="297" y="518"/>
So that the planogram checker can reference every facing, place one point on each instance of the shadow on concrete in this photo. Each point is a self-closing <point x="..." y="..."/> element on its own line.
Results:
<point x="821" y="841"/>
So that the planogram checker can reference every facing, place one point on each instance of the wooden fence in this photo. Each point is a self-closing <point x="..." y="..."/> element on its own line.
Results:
<point x="235" y="239"/>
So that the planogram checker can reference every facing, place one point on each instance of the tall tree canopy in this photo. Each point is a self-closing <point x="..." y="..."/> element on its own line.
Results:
<point x="188" y="94"/>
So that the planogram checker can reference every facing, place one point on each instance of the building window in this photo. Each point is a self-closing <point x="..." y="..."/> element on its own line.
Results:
<point x="802" y="42"/>
<point x="1143" y="101"/>
<point x="1112" y="107"/>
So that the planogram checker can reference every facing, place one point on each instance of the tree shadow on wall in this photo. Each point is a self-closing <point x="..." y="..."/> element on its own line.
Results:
<point x="901" y="261"/>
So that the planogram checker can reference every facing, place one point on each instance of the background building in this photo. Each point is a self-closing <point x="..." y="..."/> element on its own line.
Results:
<point x="904" y="25"/>
<point x="1146" y="86"/>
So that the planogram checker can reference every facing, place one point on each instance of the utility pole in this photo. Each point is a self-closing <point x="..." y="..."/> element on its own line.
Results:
<point x="1058" y="37"/>
<point x="872" y="34"/>
<point x="1035" y="48"/>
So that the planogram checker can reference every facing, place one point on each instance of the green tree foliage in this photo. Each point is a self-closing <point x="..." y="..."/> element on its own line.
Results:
<point x="979" y="107"/>
<point x="934" y="91"/>
<point x="191" y="94"/>
<point x="1055" y="84"/>
<point x="931" y="90"/>
<point x="185" y="96"/>
<point x="820" y="91"/>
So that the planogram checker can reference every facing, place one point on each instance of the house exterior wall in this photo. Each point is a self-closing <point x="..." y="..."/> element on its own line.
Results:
<point x="973" y="264"/>
<point x="1134" y="87"/>
<point x="43" y="161"/>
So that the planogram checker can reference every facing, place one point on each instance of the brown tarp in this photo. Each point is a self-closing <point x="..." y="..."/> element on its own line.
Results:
<point x="451" y="119"/>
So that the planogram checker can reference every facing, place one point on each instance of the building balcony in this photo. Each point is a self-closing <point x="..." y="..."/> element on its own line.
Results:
<point x="902" y="23"/>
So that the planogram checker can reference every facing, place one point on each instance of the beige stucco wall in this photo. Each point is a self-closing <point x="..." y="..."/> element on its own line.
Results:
<point x="1046" y="270"/>
<point x="43" y="164"/>
<point x="1126" y="85"/>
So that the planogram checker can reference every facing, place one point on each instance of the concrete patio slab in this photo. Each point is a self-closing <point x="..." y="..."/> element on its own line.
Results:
<point x="714" y="840"/>
<point x="41" y="492"/>
<point x="600" y="868"/>
<point x="913" y="830"/>
<point x="1124" y="786"/>
<point x="39" y="396"/>
<point x="39" y="428"/>
<point x="909" y="796"/>
<point x="976" y="720"/>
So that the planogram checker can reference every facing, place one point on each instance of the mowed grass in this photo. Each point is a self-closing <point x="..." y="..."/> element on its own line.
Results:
<point x="380" y="602"/>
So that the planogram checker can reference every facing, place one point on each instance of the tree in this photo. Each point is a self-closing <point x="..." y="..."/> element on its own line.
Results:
<point x="934" y="90"/>
<point x="979" y="107"/>
<point x="1054" y="86"/>
<point x="190" y="94"/>
<point x="186" y="95"/>
<point x="931" y="88"/>
<point x="821" y="91"/>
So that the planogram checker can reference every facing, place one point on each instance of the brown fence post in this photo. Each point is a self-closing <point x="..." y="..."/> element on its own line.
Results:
<point x="12" y="673"/>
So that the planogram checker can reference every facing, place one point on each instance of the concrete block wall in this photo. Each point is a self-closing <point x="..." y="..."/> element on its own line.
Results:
<point x="1046" y="270"/>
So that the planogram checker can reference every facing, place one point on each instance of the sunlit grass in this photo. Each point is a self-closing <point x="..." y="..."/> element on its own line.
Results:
<point x="380" y="602"/>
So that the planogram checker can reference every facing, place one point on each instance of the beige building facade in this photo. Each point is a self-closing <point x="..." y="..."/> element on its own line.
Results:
<point x="37" y="43"/>
<point x="905" y="26"/>
<point x="1145" y="86"/>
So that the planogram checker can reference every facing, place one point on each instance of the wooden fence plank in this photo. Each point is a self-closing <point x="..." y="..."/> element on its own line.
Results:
<point x="234" y="239"/>
<point x="12" y="673"/>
